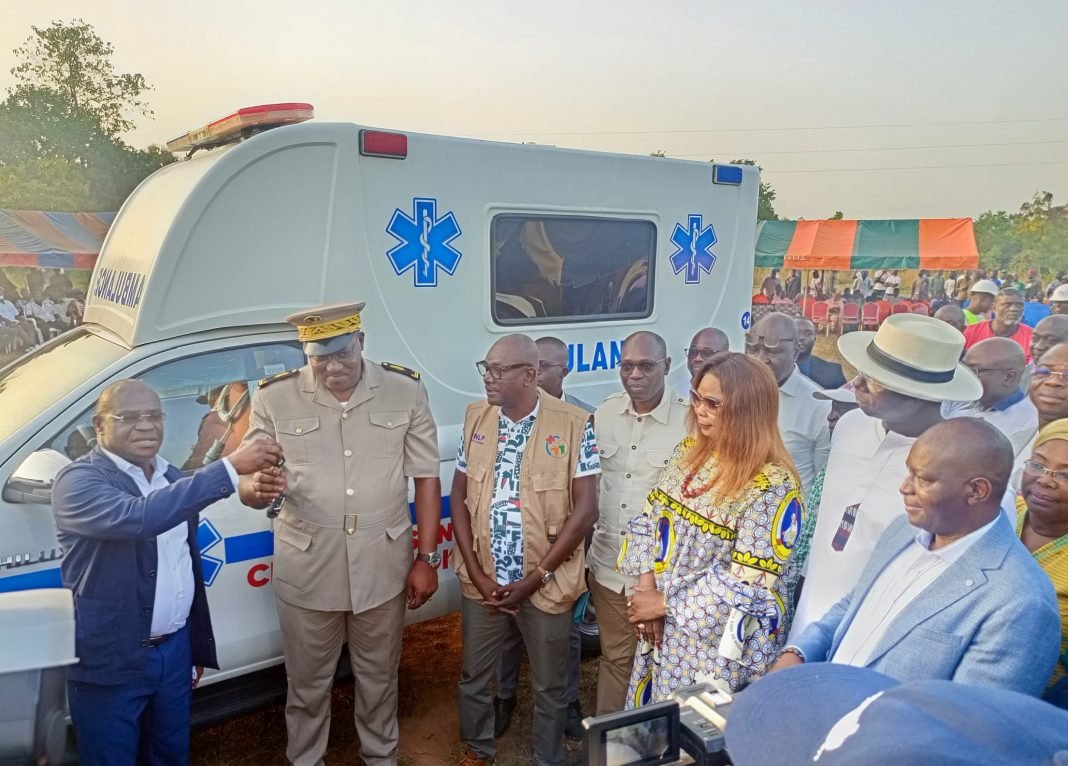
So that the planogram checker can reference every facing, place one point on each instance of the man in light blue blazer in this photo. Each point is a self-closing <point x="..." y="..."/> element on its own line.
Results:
<point x="950" y="592"/>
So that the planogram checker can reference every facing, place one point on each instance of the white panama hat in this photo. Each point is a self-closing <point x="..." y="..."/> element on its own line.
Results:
<point x="916" y="356"/>
<point x="1060" y="294"/>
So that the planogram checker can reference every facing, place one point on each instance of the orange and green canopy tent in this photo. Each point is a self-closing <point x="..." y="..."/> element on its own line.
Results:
<point x="849" y="245"/>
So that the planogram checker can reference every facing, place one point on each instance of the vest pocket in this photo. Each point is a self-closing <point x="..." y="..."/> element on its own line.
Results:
<point x="554" y="496"/>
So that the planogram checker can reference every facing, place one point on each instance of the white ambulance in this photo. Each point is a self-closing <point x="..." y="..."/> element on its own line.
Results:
<point x="452" y="243"/>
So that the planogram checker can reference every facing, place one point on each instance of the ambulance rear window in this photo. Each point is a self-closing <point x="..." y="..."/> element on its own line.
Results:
<point x="550" y="269"/>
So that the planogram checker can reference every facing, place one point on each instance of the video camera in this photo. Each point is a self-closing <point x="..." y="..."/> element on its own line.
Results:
<point x="689" y="728"/>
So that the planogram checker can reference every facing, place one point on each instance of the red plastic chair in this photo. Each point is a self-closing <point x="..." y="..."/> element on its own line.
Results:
<point x="902" y="307"/>
<point x="869" y="317"/>
<point x="821" y="315"/>
<point x="922" y="309"/>
<point x="850" y="316"/>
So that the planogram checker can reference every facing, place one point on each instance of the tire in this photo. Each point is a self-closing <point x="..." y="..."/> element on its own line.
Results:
<point x="588" y="632"/>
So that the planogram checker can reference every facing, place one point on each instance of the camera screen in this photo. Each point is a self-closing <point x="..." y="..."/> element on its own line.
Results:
<point x="638" y="743"/>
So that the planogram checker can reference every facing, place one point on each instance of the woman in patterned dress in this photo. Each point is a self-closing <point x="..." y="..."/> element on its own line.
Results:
<point x="1042" y="523"/>
<point x="712" y="547"/>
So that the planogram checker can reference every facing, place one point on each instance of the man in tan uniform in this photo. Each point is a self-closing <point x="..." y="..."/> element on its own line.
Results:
<point x="352" y="432"/>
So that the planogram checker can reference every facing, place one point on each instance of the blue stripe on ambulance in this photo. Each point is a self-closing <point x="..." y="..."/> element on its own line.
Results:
<point x="255" y="545"/>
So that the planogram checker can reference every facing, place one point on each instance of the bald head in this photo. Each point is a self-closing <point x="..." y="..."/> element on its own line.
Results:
<point x="647" y="340"/>
<point x="116" y="396"/>
<point x="773" y="341"/>
<point x="999" y="363"/>
<point x="951" y="314"/>
<point x="516" y="349"/>
<point x="705" y="343"/>
<point x="1048" y="333"/>
<point x="552" y="365"/>
<point x="958" y="472"/>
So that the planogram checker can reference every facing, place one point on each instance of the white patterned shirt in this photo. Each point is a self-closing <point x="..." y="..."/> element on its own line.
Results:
<point x="506" y="510"/>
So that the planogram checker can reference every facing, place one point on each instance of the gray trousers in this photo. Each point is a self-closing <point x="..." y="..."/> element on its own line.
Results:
<point x="547" y="637"/>
<point x="512" y="654"/>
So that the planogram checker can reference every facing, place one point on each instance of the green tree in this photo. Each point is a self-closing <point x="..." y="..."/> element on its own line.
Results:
<point x="62" y="149"/>
<point x="766" y="201"/>
<point x="71" y="60"/>
<point x="1036" y="236"/>
<point x="838" y="216"/>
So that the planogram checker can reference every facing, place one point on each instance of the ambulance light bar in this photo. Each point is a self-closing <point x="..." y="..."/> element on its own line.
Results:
<point x="242" y="124"/>
<point x="378" y="143"/>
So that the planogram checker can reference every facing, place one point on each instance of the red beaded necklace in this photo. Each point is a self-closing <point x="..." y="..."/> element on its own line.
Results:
<point x="689" y="493"/>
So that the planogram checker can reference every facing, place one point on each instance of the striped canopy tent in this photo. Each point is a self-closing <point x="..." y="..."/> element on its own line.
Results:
<point x="52" y="240"/>
<point x="845" y="245"/>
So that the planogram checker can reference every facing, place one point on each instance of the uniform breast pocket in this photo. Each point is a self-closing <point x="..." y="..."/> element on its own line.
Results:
<point x="300" y="439"/>
<point x="658" y="459"/>
<point x="387" y="436"/>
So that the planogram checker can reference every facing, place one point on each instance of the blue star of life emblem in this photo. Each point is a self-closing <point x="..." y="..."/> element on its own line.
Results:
<point x="694" y="252"/>
<point x="424" y="242"/>
<point x="207" y="538"/>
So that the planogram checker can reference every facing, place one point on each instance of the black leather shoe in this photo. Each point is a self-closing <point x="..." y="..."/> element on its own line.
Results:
<point x="502" y="715"/>
<point x="573" y="727"/>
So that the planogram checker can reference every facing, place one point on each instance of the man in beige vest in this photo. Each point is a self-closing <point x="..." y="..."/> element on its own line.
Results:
<point x="637" y="430"/>
<point x="523" y="498"/>
<point x="352" y="432"/>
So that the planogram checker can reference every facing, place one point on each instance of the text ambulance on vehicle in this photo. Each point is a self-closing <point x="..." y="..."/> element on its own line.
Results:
<point x="452" y="243"/>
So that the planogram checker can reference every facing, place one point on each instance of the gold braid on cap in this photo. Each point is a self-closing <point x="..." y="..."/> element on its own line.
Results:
<point x="324" y="330"/>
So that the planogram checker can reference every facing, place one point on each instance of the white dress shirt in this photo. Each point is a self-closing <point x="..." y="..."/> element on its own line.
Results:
<point x="634" y="450"/>
<point x="866" y="468"/>
<point x="910" y="573"/>
<point x="1016" y="417"/>
<point x="803" y="426"/>
<point x="174" y="566"/>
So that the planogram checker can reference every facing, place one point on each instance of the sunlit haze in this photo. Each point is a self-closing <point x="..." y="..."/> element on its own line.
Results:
<point x="981" y="86"/>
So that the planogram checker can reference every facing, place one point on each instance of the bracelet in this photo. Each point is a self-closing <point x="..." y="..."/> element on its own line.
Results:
<point x="795" y="651"/>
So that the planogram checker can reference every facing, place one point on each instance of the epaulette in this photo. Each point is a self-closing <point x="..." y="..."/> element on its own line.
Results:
<point x="399" y="369"/>
<point x="279" y="376"/>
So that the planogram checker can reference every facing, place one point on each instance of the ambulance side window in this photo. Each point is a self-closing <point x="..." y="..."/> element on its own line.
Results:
<point x="206" y="403"/>
<point x="569" y="268"/>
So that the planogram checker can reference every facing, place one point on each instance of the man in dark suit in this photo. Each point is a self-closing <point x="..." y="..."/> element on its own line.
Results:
<point x="127" y="521"/>
<point x="826" y="374"/>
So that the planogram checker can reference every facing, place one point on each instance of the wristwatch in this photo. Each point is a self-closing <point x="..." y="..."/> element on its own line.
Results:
<point x="434" y="559"/>
<point x="546" y="576"/>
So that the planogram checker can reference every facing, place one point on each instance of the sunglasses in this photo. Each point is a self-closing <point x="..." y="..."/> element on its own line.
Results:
<point x="707" y="402"/>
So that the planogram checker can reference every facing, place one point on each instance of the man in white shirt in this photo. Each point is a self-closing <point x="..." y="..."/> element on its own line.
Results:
<point x="802" y="420"/>
<point x="957" y="601"/>
<point x="127" y="521"/>
<point x="999" y="364"/>
<point x="705" y="343"/>
<point x="906" y="370"/>
<point x="637" y="430"/>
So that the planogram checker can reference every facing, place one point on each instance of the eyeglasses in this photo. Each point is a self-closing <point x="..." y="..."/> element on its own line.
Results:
<point x="984" y="370"/>
<point x="550" y="365"/>
<point x="497" y="371"/>
<point x="344" y="355"/>
<point x="1037" y="469"/>
<point x="646" y="368"/>
<point x="704" y="354"/>
<point x="1046" y="372"/>
<point x="707" y="402"/>
<point x="753" y="342"/>
<point x="152" y="418"/>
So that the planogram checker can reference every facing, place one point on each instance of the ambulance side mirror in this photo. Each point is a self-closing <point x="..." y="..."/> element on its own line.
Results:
<point x="32" y="481"/>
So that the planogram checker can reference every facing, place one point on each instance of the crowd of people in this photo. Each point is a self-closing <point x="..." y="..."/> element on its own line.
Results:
<point x="46" y="307"/>
<point x="768" y="512"/>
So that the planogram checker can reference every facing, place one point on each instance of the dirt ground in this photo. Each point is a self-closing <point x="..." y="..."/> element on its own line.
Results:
<point x="429" y="670"/>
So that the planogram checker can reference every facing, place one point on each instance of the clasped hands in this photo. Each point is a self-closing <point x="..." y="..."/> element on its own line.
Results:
<point x="646" y="608"/>
<point x="506" y="598"/>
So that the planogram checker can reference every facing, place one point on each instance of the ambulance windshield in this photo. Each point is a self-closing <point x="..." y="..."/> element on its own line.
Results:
<point x="40" y="379"/>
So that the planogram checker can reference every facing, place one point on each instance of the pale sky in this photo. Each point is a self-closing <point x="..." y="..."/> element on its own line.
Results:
<point x="981" y="85"/>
